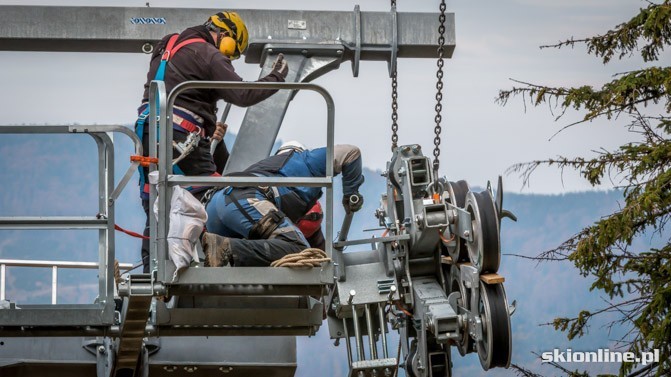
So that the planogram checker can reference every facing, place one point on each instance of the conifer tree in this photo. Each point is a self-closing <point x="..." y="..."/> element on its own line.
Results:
<point x="638" y="282"/>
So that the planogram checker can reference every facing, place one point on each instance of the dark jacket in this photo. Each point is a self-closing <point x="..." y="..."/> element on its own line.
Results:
<point x="203" y="61"/>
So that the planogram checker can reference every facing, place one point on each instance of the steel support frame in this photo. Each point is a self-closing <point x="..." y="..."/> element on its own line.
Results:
<point x="75" y="316"/>
<point x="368" y="35"/>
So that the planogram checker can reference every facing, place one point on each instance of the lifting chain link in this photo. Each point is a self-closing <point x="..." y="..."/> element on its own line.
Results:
<point x="394" y="102"/>
<point x="439" y="89"/>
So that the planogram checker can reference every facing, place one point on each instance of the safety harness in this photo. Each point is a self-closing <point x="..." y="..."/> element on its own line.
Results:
<point x="289" y="204"/>
<point x="183" y="120"/>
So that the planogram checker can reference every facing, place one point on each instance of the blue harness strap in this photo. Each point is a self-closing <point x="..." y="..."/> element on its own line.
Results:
<point x="170" y="50"/>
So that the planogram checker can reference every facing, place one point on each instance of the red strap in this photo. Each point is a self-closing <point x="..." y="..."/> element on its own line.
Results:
<point x="171" y="49"/>
<point x="130" y="233"/>
<point x="169" y="46"/>
<point x="187" y="42"/>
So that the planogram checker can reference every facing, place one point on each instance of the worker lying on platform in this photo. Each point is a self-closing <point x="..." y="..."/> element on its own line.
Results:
<point x="254" y="226"/>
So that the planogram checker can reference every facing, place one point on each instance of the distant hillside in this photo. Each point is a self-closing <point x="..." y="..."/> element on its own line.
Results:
<point x="57" y="175"/>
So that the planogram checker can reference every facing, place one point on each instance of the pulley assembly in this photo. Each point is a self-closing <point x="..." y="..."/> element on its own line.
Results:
<point x="433" y="277"/>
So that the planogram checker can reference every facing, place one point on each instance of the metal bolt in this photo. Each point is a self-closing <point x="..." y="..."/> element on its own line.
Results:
<point x="466" y="234"/>
<point x="170" y="368"/>
<point x="392" y="290"/>
<point x="147" y="48"/>
<point x="190" y="369"/>
<point x="101" y="350"/>
<point x="270" y="37"/>
<point x="352" y="293"/>
<point x="225" y="369"/>
<point x="337" y="341"/>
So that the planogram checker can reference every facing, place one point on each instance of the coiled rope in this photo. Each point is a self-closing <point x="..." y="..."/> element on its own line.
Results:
<point x="311" y="257"/>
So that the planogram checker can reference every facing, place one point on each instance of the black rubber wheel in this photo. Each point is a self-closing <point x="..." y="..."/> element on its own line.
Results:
<point x="456" y="195"/>
<point x="484" y="251"/>
<point x="495" y="349"/>
<point x="465" y="343"/>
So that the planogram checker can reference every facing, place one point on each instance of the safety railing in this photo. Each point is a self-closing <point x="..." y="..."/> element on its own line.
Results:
<point x="159" y="228"/>
<point x="100" y="313"/>
<point x="54" y="266"/>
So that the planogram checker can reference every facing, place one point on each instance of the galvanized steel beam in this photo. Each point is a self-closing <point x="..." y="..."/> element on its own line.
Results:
<point x="127" y="29"/>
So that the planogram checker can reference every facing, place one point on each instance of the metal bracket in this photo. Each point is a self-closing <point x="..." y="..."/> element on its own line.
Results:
<point x="463" y="226"/>
<point x="394" y="41"/>
<point x="471" y="280"/>
<point x="357" y="41"/>
<point x="105" y="351"/>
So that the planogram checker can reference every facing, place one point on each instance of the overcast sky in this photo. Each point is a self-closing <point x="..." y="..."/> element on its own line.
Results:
<point x="496" y="40"/>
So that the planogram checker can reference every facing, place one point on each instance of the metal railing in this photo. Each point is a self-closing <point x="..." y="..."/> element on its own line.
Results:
<point x="54" y="265"/>
<point x="159" y="228"/>
<point x="102" y="312"/>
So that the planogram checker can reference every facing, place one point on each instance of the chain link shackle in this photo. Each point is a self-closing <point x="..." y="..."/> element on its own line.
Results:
<point x="439" y="89"/>
<point x="394" y="102"/>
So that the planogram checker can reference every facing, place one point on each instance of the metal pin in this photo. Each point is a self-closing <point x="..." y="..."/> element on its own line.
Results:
<point x="357" y="330"/>
<point x="383" y="329"/>
<point x="349" y="346"/>
<point x="392" y="290"/>
<point x="371" y="331"/>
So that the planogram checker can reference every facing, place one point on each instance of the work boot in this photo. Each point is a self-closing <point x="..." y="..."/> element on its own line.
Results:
<point x="217" y="250"/>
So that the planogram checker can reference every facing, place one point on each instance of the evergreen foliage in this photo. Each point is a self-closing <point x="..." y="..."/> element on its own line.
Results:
<point x="638" y="282"/>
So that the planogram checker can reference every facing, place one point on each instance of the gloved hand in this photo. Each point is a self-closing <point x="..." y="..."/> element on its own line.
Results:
<point x="352" y="202"/>
<point x="280" y="66"/>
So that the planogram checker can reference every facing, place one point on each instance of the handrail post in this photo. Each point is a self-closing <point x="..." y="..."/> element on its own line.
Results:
<point x="3" y="270"/>
<point x="157" y="228"/>
<point x="54" y="284"/>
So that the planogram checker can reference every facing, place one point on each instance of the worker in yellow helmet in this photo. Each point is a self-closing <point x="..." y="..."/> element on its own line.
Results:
<point x="231" y="32"/>
<point x="202" y="52"/>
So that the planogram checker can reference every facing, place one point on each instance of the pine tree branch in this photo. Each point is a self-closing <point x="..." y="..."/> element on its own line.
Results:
<point x="652" y="25"/>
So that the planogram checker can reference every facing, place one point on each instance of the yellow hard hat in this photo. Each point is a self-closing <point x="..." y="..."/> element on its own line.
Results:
<point x="236" y="43"/>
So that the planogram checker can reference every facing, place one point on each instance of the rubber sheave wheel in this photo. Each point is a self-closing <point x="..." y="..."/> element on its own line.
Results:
<point x="494" y="350"/>
<point x="485" y="249"/>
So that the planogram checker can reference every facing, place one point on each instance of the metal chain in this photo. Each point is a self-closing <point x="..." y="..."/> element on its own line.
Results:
<point x="439" y="87"/>
<point x="394" y="103"/>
